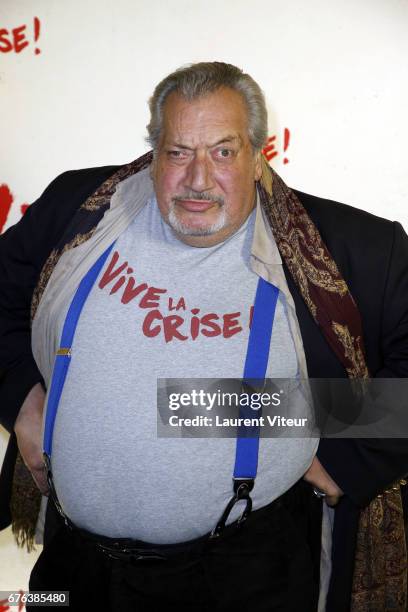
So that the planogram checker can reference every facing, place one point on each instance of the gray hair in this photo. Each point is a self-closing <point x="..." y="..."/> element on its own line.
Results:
<point x="196" y="80"/>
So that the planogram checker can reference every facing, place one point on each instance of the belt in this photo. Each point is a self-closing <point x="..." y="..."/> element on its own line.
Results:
<point x="132" y="551"/>
<point x="136" y="550"/>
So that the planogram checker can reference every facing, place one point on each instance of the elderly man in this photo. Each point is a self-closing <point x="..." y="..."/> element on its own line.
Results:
<point x="152" y="270"/>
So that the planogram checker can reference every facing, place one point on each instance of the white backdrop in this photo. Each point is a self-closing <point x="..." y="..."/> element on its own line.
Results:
<point x="75" y="78"/>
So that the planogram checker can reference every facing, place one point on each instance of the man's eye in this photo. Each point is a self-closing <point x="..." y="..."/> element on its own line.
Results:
<point x="225" y="153"/>
<point x="178" y="154"/>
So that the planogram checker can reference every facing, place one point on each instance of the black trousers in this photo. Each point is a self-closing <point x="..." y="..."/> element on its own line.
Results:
<point x="268" y="564"/>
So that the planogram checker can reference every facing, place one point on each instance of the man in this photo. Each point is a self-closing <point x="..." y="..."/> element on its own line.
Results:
<point x="181" y="241"/>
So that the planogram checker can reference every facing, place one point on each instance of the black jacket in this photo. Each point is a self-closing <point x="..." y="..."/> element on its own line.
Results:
<point x="372" y="255"/>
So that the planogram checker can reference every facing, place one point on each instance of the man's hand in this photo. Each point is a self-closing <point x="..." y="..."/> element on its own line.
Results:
<point x="28" y="427"/>
<point x="317" y="476"/>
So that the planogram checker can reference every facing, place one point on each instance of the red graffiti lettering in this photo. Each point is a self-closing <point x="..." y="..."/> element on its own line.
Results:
<point x="195" y="323"/>
<point x="110" y="272"/>
<point x="251" y="314"/>
<point x="181" y="305"/>
<point x="131" y="291"/>
<point x="147" y="328"/>
<point x="37" y="27"/>
<point x="13" y="41"/>
<point x="170" y="325"/>
<point x="5" y="44"/>
<point x="151" y="298"/>
<point x="286" y="138"/>
<point x="6" y="200"/>
<point x="231" y="325"/>
<point x="19" y="39"/>
<point x="16" y="39"/>
<point x="209" y="321"/>
<point x="270" y="150"/>
<point x="117" y="285"/>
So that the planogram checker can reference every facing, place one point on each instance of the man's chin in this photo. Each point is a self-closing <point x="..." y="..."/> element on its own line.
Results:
<point x="193" y="231"/>
<point x="190" y="229"/>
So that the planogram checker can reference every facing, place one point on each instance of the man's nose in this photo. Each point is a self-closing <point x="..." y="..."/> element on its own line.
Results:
<point x="199" y="174"/>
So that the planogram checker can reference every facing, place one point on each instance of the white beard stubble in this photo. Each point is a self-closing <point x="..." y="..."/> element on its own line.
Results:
<point x="186" y="230"/>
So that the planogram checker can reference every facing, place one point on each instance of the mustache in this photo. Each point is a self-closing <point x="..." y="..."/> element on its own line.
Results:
<point x="204" y="196"/>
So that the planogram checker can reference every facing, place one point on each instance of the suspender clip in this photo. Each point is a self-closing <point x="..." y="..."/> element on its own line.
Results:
<point x="242" y="489"/>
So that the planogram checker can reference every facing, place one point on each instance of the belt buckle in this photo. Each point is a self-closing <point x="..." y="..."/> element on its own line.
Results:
<point x="130" y="554"/>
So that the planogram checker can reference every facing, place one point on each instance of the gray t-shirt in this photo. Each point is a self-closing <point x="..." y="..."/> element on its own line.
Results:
<point x="143" y="320"/>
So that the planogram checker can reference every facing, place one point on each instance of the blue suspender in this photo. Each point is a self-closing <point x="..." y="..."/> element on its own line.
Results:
<point x="256" y="362"/>
<point x="63" y="356"/>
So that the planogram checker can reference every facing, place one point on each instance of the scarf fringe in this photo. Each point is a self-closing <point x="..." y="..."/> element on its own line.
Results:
<point x="24" y="506"/>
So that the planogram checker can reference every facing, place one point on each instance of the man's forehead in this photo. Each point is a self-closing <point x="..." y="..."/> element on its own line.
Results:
<point x="212" y="119"/>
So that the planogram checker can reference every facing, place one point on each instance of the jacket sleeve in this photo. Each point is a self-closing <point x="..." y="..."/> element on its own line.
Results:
<point x="23" y="251"/>
<point x="364" y="467"/>
<point x="24" y="248"/>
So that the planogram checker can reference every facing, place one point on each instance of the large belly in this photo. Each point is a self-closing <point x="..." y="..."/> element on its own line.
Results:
<point x="116" y="479"/>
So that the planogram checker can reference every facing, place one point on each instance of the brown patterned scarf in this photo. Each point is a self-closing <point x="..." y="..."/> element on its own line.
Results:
<point x="380" y="578"/>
